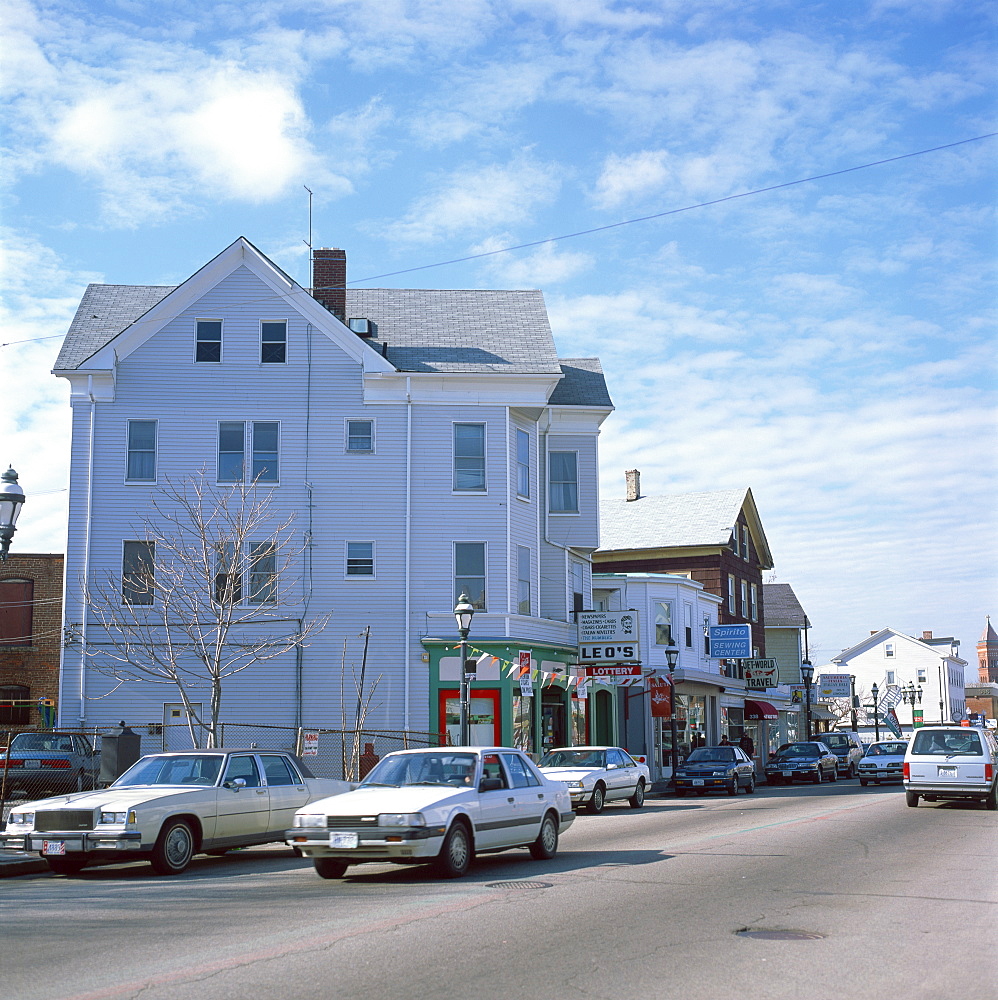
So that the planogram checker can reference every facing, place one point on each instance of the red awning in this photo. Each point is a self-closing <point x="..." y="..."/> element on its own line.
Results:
<point x="760" y="710"/>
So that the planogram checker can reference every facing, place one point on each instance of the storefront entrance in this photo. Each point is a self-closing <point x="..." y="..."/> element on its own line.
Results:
<point x="483" y="717"/>
<point x="554" y="719"/>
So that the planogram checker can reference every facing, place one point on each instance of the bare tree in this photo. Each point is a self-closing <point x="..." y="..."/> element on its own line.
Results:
<point x="208" y="592"/>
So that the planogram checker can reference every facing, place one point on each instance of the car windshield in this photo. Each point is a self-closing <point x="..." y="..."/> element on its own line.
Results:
<point x="836" y="741"/>
<point x="715" y="754"/>
<point x="432" y="767"/>
<point x="186" y="769"/>
<point x="947" y="744"/>
<point x="574" y="758"/>
<point x="883" y="749"/>
<point x="800" y="750"/>
<point x="41" y="741"/>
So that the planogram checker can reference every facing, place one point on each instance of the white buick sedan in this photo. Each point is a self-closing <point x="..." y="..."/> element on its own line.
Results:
<point x="167" y="807"/>
<point x="597" y="775"/>
<point x="440" y="806"/>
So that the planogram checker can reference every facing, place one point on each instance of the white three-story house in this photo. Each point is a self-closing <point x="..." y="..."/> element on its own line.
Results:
<point x="426" y="443"/>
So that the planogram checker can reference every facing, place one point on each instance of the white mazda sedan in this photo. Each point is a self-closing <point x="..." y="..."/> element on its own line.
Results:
<point x="440" y="806"/>
<point x="597" y="775"/>
<point x="167" y="807"/>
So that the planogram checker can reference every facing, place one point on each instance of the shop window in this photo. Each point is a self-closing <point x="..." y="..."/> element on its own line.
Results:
<point x="14" y="707"/>
<point x="16" y="604"/>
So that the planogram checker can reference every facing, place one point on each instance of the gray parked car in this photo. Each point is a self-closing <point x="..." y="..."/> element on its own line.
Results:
<point x="48" y="763"/>
<point x="848" y="749"/>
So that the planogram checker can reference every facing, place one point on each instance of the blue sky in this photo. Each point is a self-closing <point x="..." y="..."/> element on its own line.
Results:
<point x="829" y="344"/>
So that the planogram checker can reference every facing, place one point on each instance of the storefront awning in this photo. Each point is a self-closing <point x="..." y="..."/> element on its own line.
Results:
<point x="760" y="710"/>
<point x="823" y="714"/>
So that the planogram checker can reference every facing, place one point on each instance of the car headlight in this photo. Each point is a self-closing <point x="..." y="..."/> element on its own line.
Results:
<point x="21" y="819"/>
<point x="108" y="817"/>
<point x="309" y="819"/>
<point x="401" y="819"/>
<point x="574" y="784"/>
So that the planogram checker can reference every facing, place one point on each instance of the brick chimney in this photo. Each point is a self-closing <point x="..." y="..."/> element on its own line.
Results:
<point x="926" y="636"/>
<point x="633" y="480"/>
<point x="329" y="280"/>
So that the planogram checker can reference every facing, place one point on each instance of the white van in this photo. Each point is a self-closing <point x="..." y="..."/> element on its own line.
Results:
<point x="952" y="762"/>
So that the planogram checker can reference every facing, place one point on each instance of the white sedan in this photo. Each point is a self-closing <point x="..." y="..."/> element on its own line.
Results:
<point x="597" y="775"/>
<point x="168" y="807"/>
<point x="441" y="806"/>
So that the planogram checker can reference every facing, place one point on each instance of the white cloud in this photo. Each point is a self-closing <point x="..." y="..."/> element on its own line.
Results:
<point x="476" y="199"/>
<point x="538" y="267"/>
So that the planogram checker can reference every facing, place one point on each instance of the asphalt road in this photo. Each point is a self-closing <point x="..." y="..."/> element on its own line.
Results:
<point x="860" y="897"/>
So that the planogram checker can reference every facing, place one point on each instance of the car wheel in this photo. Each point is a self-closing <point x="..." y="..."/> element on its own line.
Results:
<point x="174" y="848"/>
<point x="329" y="867"/>
<point x="732" y="789"/>
<point x="750" y="787"/>
<point x="546" y="844"/>
<point x="67" y="866"/>
<point x="637" y="800"/>
<point x="991" y="802"/>
<point x="852" y="771"/>
<point x="454" y="858"/>
<point x="834" y="776"/>
<point x="865" y="781"/>
<point x="818" y="777"/>
<point x="598" y="800"/>
<point x="911" y="798"/>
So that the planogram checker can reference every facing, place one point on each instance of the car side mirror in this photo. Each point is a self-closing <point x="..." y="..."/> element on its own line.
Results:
<point x="490" y="784"/>
<point x="236" y="783"/>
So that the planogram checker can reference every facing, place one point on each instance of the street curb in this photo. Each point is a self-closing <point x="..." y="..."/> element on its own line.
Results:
<point x="12" y="864"/>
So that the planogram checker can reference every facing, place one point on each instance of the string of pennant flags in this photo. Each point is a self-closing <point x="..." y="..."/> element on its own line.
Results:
<point x="547" y="677"/>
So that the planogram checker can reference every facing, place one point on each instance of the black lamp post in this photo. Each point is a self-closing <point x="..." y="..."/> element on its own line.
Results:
<point x="671" y="657"/>
<point x="911" y="695"/>
<point x="463" y="613"/>
<point x="875" y="691"/>
<point x="11" y="499"/>
<point x="806" y="676"/>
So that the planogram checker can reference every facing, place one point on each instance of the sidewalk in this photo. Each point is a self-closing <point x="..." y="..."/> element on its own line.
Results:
<point x="18" y="863"/>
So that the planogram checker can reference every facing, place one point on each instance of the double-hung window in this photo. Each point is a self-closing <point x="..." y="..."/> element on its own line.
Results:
<point x="745" y="607"/>
<point x="745" y="543"/>
<point x="469" y="573"/>
<point x="263" y="573"/>
<point x="137" y="572"/>
<point x="141" y="464"/>
<point x="523" y="580"/>
<point x="228" y="574"/>
<point x="663" y="624"/>
<point x="754" y="602"/>
<point x="522" y="464"/>
<point x="360" y="435"/>
<point x="732" y="598"/>
<point x="263" y="446"/>
<point x="208" y="340"/>
<point x="563" y="482"/>
<point x="360" y="559"/>
<point x="274" y="342"/>
<point x="469" y="458"/>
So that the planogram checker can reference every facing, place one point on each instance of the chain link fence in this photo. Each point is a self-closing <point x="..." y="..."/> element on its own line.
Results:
<point x="42" y="762"/>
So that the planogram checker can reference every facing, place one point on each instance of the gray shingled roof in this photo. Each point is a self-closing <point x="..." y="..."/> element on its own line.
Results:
<point x="781" y="607"/>
<point x="684" y="519"/>
<point x="426" y="330"/>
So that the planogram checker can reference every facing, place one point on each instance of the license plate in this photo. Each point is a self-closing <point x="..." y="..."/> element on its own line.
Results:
<point x="33" y="765"/>
<point x="343" y="840"/>
<point x="53" y="847"/>
<point x="947" y="772"/>
<point x="788" y="774"/>
<point x="698" y="781"/>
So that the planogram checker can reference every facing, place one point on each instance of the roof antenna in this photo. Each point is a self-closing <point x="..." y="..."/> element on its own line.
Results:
<point x="308" y="242"/>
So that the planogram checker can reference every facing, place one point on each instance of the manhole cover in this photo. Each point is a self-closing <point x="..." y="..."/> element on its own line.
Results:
<point x="778" y="935"/>
<point x="519" y="885"/>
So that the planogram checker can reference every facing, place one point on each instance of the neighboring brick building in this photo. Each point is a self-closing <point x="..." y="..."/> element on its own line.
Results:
<point x="987" y="655"/>
<point x="30" y="636"/>
<point x="714" y="538"/>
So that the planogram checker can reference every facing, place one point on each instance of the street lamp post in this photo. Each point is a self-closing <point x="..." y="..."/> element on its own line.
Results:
<point x="806" y="676"/>
<point x="671" y="656"/>
<point x="463" y="613"/>
<point x="875" y="691"/>
<point x="911" y="695"/>
<point x="11" y="499"/>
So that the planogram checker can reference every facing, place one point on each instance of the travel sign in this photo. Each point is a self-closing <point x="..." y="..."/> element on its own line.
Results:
<point x="730" y="642"/>
<point x="608" y="636"/>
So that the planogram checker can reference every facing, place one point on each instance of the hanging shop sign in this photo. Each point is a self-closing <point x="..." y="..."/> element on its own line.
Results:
<point x="608" y="636"/>
<point x="761" y="674"/>
<point x="661" y="698"/>
<point x="614" y="670"/>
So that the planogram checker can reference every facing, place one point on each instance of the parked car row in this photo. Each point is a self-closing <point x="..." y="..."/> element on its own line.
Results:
<point x="48" y="763"/>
